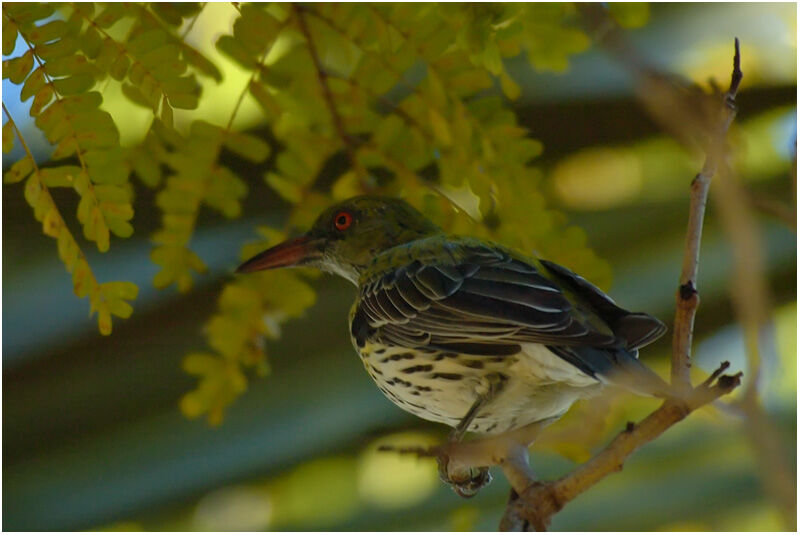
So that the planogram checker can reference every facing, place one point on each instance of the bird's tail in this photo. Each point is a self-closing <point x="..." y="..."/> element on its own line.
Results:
<point x="617" y="366"/>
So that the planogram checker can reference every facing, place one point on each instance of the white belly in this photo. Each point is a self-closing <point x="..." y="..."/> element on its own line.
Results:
<point x="441" y="386"/>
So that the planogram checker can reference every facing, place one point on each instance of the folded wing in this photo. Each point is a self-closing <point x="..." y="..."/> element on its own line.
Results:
<point x="490" y="302"/>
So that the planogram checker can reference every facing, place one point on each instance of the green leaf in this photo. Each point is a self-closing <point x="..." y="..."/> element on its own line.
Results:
<point x="42" y="99"/>
<point x="9" y="37"/>
<point x="91" y="43"/>
<point x="147" y="41"/>
<point x="249" y="147"/>
<point x="269" y="105"/>
<point x="28" y="13"/>
<point x="54" y="29"/>
<point x="232" y="48"/>
<point x="74" y="85"/>
<point x="120" y="308"/>
<point x="110" y="15"/>
<point x="21" y="168"/>
<point x="440" y="127"/>
<point x="66" y="147"/>
<point x="70" y="65"/>
<point x="57" y="49"/>
<point x="16" y="69"/>
<point x="184" y="101"/>
<point x="33" y="84"/>
<point x="283" y="187"/>
<point x="120" y="290"/>
<point x="135" y="96"/>
<point x="510" y="88"/>
<point x="8" y="137"/>
<point x="59" y="177"/>
<point x="200" y="62"/>
<point x="33" y="190"/>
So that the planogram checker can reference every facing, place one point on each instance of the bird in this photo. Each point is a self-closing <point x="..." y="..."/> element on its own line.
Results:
<point x="468" y="332"/>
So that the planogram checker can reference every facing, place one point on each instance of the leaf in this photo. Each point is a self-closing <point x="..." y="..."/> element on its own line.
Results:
<point x="42" y="99"/>
<point x="20" y="170"/>
<point x="54" y="29"/>
<point x="440" y="127"/>
<point x="17" y="69"/>
<point x="74" y="85"/>
<point x="9" y="37"/>
<point x="33" y="84"/>
<point x="229" y="46"/>
<point x="8" y="138"/>
<point x="52" y="223"/>
<point x="110" y="15"/>
<point x="135" y="96"/>
<point x="91" y="43"/>
<point x="247" y="146"/>
<point x="269" y="105"/>
<point x="510" y="88"/>
<point x="57" y="49"/>
<point x="70" y="65"/>
<point x="200" y="62"/>
<point x="59" y="177"/>
<point x="283" y="187"/>
<point x="104" y="321"/>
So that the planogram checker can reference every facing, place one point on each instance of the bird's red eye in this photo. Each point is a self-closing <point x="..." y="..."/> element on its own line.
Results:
<point x="343" y="220"/>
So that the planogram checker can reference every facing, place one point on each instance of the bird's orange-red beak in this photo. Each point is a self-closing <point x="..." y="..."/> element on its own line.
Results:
<point x="289" y="253"/>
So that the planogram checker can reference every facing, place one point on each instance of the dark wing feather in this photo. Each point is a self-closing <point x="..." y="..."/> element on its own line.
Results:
<point x="491" y="302"/>
<point x="637" y="328"/>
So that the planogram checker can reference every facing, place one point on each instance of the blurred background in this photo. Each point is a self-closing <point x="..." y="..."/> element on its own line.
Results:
<point x="93" y="437"/>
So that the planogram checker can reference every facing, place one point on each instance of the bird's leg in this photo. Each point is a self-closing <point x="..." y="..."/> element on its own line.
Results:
<point x="467" y="480"/>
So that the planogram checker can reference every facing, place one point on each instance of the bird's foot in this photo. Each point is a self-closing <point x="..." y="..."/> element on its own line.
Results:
<point x="465" y="480"/>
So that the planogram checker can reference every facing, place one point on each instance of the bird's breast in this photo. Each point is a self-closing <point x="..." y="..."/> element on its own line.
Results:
<point x="442" y="386"/>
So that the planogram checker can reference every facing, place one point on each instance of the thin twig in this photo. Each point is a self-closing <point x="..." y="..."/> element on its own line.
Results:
<point x="536" y="505"/>
<point x="322" y="77"/>
<point x="246" y="89"/>
<point x="687" y="297"/>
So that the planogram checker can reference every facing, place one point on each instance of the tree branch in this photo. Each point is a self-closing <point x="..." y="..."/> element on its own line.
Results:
<point x="322" y="77"/>
<point x="536" y="505"/>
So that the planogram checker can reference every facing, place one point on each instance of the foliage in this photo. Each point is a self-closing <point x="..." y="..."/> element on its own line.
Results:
<point x="405" y="91"/>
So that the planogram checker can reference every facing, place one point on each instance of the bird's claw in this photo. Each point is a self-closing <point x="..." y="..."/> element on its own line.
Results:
<point x="466" y="481"/>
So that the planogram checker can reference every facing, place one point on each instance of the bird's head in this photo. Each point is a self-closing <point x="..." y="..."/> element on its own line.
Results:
<point x="347" y="236"/>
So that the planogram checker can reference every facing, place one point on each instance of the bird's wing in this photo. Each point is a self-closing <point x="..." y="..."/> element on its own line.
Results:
<point x="490" y="302"/>
<point x="487" y="303"/>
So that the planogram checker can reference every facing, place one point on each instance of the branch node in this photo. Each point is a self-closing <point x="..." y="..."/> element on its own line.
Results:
<point x="729" y="382"/>
<point x="688" y="291"/>
<point x="716" y="373"/>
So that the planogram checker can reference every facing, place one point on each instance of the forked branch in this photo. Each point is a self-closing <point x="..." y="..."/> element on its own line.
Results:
<point x="536" y="505"/>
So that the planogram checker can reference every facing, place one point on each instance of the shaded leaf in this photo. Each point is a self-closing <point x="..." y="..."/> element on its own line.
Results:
<point x="16" y="69"/>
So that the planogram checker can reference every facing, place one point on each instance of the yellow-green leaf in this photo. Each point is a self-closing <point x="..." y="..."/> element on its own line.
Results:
<point x="283" y="187"/>
<point x="47" y="32"/>
<point x="8" y="138"/>
<point x="9" y="37"/>
<point x="74" y="85"/>
<point x="441" y="128"/>
<point x="510" y="88"/>
<point x="21" y="168"/>
<point x="33" y="84"/>
<point x="247" y="146"/>
<point x="16" y="69"/>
